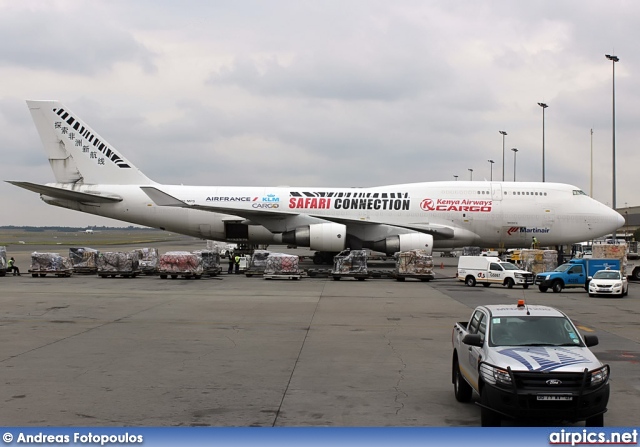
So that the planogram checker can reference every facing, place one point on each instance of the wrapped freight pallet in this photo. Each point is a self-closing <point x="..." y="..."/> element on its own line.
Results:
<point x="350" y="263"/>
<point x="84" y="260"/>
<point x="210" y="261"/>
<point x="147" y="260"/>
<point x="50" y="263"/>
<point x="280" y="265"/>
<point x="414" y="264"/>
<point x="113" y="263"/>
<point x="612" y="251"/>
<point x="471" y="251"/>
<point x="180" y="263"/>
<point x="538" y="261"/>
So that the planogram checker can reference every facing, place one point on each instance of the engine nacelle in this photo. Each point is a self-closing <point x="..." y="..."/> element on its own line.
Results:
<point x="404" y="242"/>
<point x="322" y="237"/>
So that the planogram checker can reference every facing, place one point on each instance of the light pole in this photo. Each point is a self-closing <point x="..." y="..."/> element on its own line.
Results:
<point x="544" y="106"/>
<point x="613" y="60"/>
<point x="515" y="152"/>
<point x="455" y="177"/>
<point x="470" y="174"/>
<point x="504" y="134"/>
<point x="491" y="163"/>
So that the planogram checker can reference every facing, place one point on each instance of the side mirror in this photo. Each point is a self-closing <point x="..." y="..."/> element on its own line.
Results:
<point x="590" y="340"/>
<point x="473" y="340"/>
<point x="589" y="278"/>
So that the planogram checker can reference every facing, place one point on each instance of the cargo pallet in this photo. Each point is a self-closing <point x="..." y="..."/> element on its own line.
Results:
<point x="174" y="275"/>
<point x="250" y="273"/>
<point x="294" y="276"/>
<point x="129" y="274"/>
<point x="85" y="270"/>
<point x="58" y="273"/>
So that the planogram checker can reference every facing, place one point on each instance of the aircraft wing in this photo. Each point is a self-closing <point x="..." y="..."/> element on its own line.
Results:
<point x="68" y="194"/>
<point x="279" y="221"/>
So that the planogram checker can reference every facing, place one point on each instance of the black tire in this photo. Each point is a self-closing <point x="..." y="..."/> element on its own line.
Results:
<point x="470" y="281"/>
<point x="336" y="278"/>
<point x="557" y="286"/>
<point x="509" y="283"/>
<point x="361" y="279"/>
<point x="163" y="276"/>
<point x="595" y="421"/>
<point x="525" y="286"/>
<point x="486" y="284"/>
<point x="488" y="418"/>
<point x="543" y="289"/>
<point x="399" y="278"/>
<point x="636" y="273"/>
<point x="318" y="259"/>
<point x="591" y="295"/>
<point x="461" y="389"/>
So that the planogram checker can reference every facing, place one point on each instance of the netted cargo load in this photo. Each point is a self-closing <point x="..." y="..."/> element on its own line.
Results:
<point x="282" y="264"/>
<point x="147" y="260"/>
<point x="49" y="262"/>
<point x="84" y="259"/>
<point x="117" y="262"/>
<point x="210" y="261"/>
<point x="350" y="261"/>
<point x="3" y="258"/>
<point x="178" y="262"/>
<point x="538" y="261"/>
<point x="414" y="262"/>
<point x="258" y="261"/>
<point x="471" y="251"/>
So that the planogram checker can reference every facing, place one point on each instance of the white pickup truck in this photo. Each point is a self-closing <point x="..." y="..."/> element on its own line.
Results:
<point x="528" y="362"/>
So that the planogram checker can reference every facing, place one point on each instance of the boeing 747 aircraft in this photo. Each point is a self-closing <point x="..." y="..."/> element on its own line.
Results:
<point x="93" y="177"/>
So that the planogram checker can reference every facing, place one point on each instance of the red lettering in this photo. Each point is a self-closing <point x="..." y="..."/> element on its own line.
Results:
<point x="292" y="202"/>
<point x="314" y="203"/>
<point x="322" y="203"/>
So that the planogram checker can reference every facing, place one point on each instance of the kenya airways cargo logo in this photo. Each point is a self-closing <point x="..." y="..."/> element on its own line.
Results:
<point x="477" y="206"/>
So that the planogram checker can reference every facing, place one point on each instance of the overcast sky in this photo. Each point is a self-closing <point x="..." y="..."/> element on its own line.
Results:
<point x="324" y="93"/>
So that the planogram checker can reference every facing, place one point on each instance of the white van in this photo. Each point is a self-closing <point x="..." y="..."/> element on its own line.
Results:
<point x="487" y="270"/>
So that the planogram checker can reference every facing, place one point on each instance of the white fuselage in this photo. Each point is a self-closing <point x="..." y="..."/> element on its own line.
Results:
<point x="490" y="214"/>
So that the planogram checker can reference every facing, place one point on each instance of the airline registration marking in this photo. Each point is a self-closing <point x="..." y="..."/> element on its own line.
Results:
<point x="479" y="206"/>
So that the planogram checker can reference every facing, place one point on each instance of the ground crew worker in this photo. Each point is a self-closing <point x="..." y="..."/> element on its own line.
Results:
<point x="11" y="266"/>
<point x="534" y="242"/>
<point x="237" y="259"/>
<point x="231" y="263"/>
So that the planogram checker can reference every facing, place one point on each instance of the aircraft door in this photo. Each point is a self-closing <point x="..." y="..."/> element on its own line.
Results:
<point x="496" y="191"/>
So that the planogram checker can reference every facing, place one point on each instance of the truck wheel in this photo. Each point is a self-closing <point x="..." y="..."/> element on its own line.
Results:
<point x="556" y="286"/>
<point x="461" y="388"/>
<point x="488" y="418"/>
<point x="525" y="286"/>
<point x="595" y="421"/>
<point x="509" y="283"/>
<point x="543" y="288"/>
<point x="470" y="281"/>
<point x="636" y="273"/>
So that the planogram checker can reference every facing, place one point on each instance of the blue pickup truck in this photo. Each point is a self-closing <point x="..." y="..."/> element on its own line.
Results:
<point x="574" y="273"/>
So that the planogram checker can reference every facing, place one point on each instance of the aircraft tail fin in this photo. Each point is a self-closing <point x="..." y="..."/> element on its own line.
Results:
<point x="77" y="154"/>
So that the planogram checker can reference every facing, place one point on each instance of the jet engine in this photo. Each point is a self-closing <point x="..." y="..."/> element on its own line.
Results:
<point x="404" y="242"/>
<point x="321" y="237"/>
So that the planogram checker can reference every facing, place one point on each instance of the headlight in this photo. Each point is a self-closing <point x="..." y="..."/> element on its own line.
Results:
<point x="518" y="275"/>
<point x="495" y="375"/>
<point x="548" y="277"/>
<point x="599" y="376"/>
<point x="618" y="284"/>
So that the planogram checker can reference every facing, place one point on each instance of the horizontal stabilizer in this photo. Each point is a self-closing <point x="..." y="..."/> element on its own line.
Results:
<point x="162" y="198"/>
<point x="68" y="194"/>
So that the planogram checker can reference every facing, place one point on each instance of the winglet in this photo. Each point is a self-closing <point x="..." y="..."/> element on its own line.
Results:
<point x="162" y="198"/>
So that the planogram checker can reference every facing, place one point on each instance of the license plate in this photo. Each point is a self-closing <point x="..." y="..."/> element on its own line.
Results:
<point x="555" y="397"/>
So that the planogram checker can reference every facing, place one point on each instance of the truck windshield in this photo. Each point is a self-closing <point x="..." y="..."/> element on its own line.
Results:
<point x="533" y="331"/>
<point x="563" y="268"/>
<point x="508" y="266"/>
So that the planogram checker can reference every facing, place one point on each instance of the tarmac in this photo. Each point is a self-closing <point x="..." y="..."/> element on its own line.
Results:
<point x="238" y="351"/>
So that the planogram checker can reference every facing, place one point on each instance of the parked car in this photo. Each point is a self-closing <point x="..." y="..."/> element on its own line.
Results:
<point x="608" y="282"/>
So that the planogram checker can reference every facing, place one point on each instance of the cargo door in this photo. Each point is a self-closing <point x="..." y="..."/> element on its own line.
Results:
<point x="496" y="191"/>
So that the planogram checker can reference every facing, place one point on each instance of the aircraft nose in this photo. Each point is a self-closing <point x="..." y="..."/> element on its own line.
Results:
<point x="621" y="221"/>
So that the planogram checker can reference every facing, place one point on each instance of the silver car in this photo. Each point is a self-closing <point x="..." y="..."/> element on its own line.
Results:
<point x="608" y="282"/>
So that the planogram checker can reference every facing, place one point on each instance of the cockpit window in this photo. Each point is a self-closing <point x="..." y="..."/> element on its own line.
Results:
<point x="579" y="192"/>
